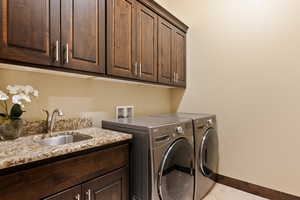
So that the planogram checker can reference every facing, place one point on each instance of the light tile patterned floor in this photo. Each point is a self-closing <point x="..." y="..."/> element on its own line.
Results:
<point x="222" y="192"/>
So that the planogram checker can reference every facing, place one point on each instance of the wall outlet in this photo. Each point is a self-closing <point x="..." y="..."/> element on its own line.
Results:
<point x="124" y="112"/>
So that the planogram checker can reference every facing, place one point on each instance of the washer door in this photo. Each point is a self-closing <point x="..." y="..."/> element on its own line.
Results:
<point x="209" y="153"/>
<point x="176" y="179"/>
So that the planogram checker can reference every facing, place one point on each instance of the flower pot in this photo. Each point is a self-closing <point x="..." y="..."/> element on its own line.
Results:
<point x="11" y="129"/>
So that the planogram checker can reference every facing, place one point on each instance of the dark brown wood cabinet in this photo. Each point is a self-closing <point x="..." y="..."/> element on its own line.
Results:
<point x="109" y="187"/>
<point x="61" y="33"/>
<point x="179" y="57"/>
<point x="121" y="34"/>
<point x="146" y="43"/>
<point x="132" y="40"/>
<point x="112" y="186"/>
<point x="83" y="35"/>
<point x="165" y="52"/>
<point x="25" y="31"/>
<point x="171" y="54"/>
<point x="128" y="39"/>
<point x="73" y="193"/>
<point x="99" y="171"/>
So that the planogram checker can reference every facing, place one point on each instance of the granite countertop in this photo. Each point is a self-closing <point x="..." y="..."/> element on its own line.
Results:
<point x="25" y="150"/>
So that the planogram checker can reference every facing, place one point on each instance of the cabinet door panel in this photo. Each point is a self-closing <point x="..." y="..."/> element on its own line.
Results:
<point x="179" y="57"/>
<point x="83" y="35"/>
<point x="25" y="31"/>
<point x="121" y="38"/>
<point x="147" y="43"/>
<point x="71" y="194"/>
<point x="113" y="186"/>
<point x="165" y="45"/>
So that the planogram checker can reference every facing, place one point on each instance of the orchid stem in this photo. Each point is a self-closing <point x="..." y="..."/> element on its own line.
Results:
<point x="6" y="108"/>
<point x="3" y="105"/>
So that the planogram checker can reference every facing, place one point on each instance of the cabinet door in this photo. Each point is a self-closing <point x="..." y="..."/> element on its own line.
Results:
<point x="113" y="186"/>
<point x="121" y="38"/>
<point x="70" y="194"/>
<point x="165" y="48"/>
<point x="25" y="30"/>
<point x="147" y="43"/>
<point x="179" y="58"/>
<point x="83" y="34"/>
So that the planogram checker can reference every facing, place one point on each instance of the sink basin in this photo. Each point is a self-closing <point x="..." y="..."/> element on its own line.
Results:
<point x="63" y="139"/>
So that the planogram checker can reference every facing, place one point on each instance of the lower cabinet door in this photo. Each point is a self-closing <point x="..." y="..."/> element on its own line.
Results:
<point x="73" y="193"/>
<point x="113" y="186"/>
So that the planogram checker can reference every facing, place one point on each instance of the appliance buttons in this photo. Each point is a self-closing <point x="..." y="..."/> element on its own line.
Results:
<point x="210" y="122"/>
<point x="179" y="130"/>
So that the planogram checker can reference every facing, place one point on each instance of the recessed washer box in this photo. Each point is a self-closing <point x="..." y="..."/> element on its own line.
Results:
<point x="124" y="112"/>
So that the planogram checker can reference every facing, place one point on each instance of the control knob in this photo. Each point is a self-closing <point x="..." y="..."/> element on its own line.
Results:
<point x="210" y="122"/>
<point x="179" y="130"/>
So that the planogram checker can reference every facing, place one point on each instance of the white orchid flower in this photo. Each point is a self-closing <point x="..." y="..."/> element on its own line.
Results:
<point x="36" y="93"/>
<point x="28" y="89"/>
<point x="3" y="96"/>
<point x="20" y="89"/>
<point x="17" y="99"/>
<point x="12" y="89"/>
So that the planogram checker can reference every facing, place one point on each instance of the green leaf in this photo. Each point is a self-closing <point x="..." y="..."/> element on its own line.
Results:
<point x="16" y="111"/>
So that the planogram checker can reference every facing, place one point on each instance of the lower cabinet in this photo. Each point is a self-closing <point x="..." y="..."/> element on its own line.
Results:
<point x="112" y="186"/>
<point x="89" y="175"/>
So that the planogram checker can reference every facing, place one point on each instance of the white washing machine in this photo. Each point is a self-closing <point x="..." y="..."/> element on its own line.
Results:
<point x="206" y="150"/>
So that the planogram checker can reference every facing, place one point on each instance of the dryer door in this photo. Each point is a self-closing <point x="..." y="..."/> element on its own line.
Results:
<point x="209" y="153"/>
<point x="176" y="179"/>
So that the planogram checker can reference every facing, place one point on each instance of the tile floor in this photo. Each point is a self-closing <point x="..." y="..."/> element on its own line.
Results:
<point x="222" y="192"/>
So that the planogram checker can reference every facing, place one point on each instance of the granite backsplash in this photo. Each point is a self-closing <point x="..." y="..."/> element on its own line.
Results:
<point x="39" y="126"/>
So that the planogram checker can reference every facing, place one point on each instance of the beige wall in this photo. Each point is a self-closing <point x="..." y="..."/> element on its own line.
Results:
<point x="244" y="65"/>
<point x="95" y="98"/>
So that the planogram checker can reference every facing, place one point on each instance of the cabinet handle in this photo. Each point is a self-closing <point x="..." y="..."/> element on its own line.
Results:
<point x="136" y="68"/>
<point x="88" y="194"/>
<point x="77" y="197"/>
<point x="140" y="69"/>
<point x="57" y="51"/>
<point x="174" y="77"/>
<point x="66" y="54"/>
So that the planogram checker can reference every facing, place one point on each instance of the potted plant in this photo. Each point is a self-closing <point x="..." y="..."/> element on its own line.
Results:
<point x="11" y="123"/>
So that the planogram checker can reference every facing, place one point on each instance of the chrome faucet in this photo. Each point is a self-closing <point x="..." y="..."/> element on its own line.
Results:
<point x="50" y="121"/>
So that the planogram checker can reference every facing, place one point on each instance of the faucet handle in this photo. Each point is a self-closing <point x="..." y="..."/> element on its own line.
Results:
<point x="59" y="112"/>
<point x="47" y="114"/>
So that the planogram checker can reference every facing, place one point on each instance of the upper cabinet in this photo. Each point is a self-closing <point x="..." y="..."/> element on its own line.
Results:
<point x="171" y="54"/>
<point x="68" y="33"/>
<point x="121" y="34"/>
<point x="83" y="35"/>
<point x="25" y="31"/>
<point x="146" y="43"/>
<point x="165" y="52"/>
<point x="179" y="57"/>
<point x="130" y="39"/>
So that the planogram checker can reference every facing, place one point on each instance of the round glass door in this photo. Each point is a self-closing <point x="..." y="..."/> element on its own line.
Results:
<point x="209" y="153"/>
<point x="176" y="179"/>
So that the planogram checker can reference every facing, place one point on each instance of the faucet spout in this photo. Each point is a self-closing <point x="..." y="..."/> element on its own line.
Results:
<point x="52" y="120"/>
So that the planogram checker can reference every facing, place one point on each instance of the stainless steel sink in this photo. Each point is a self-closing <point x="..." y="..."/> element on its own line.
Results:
<point x="63" y="139"/>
